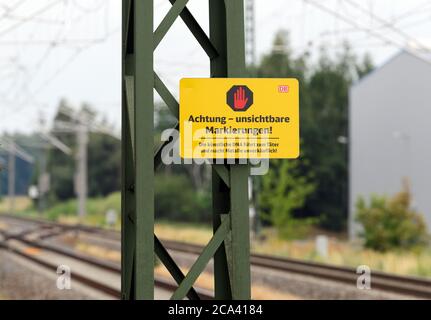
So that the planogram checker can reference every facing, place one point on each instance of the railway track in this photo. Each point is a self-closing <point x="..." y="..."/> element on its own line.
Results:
<point x="412" y="286"/>
<point x="403" y="285"/>
<point x="9" y="241"/>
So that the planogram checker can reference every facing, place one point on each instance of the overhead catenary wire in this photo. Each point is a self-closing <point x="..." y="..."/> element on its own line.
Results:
<point x="80" y="125"/>
<point x="29" y="18"/>
<point x="416" y="10"/>
<point x="27" y="97"/>
<point x="370" y="31"/>
<point x="418" y="22"/>
<point x="388" y="24"/>
<point x="83" y="8"/>
<point x="9" y="10"/>
<point x="356" y="25"/>
<point x="41" y="20"/>
<point x="55" y="74"/>
<point x="52" y="43"/>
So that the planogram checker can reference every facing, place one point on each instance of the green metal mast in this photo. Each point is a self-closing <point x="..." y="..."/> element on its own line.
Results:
<point x="230" y="244"/>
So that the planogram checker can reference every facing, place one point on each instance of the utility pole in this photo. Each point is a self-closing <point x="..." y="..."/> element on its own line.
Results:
<point x="43" y="179"/>
<point x="81" y="128"/>
<point x="1" y="170"/>
<point x="41" y="183"/>
<point x="11" y="178"/>
<point x="81" y="175"/>
<point x="48" y="141"/>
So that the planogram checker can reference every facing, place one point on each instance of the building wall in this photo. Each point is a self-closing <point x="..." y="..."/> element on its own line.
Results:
<point x="390" y="133"/>
<point x="23" y="171"/>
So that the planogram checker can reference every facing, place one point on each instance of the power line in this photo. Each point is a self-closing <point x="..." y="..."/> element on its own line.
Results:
<point x="416" y="10"/>
<point x="46" y="83"/>
<point x="81" y="124"/>
<point x="35" y="19"/>
<point x="417" y="22"/>
<point x="370" y="31"/>
<point x="387" y="24"/>
<point x="9" y="10"/>
<point x="96" y="8"/>
<point x="29" y="18"/>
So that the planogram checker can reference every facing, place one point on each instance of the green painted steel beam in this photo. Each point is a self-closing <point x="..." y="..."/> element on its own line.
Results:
<point x="230" y="243"/>
<point x="200" y="264"/>
<point x="127" y="26"/>
<point x="127" y="173"/>
<point x="220" y="191"/>
<point x="130" y="103"/>
<point x="167" y="96"/>
<point x="144" y="140"/>
<point x="129" y="68"/>
<point x="220" y="202"/>
<point x="198" y="32"/>
<point x="128" y="207"/>
<point x="227" y="34"/>
<point x="223" y="172"/>
<point x="172" y="267"/>
<point x="240" y="243"/>
<point x="168" y="21"/>
<point x="158" y="154"/>
<point x="173" y="105"/>
<point x="126" y="7"/>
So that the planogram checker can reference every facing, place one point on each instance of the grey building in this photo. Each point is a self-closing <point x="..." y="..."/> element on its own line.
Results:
<point x="390" y="133"/>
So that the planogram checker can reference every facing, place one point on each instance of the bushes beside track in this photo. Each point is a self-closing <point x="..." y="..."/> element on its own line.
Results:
<point x="174" y="196"/>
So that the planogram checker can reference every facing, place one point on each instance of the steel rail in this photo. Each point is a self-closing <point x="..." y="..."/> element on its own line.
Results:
<point x="404" y="285"/>
<point x="159" y="282"/>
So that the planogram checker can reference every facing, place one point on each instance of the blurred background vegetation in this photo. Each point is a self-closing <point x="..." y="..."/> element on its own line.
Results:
<point x="297" y="199"/>
<point x="391" y="223"/>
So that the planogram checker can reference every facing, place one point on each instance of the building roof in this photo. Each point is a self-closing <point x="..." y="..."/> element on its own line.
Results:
<point x="423" y="56"/>
<point x="426" y="56"/>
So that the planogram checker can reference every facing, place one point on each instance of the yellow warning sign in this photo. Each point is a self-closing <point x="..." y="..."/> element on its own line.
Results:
<point x="239" y="118"/>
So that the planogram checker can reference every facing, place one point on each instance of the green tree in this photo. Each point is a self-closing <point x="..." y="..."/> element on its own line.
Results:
<point x="324" y="129"/>
<point x="391" y="223"/>
<point x="176" y="199"/>
<point x="324" y="102"/>
<point x="283" y="190"/>
<point x="62" y="166"/>
<point x="104" y="160"/>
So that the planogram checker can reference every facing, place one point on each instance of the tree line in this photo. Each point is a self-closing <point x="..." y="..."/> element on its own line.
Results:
<point x="311" y="190"/>
<point x="314" y="187"/>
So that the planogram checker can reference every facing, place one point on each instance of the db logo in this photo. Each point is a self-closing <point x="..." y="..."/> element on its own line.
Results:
<point x="283" y="89"/>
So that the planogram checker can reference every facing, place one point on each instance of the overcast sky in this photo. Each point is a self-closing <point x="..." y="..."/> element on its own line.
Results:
<point x="53" y="49"/>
